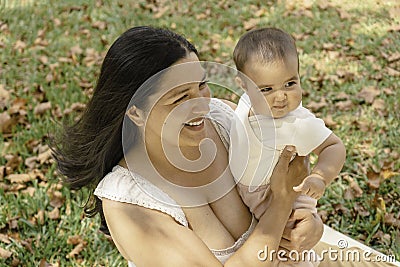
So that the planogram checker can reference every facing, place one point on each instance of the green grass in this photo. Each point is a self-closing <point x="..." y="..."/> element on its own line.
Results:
<point x="344" y="48"/>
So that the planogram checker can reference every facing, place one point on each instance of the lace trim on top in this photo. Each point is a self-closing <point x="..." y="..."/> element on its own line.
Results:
<point x="124" y="186"/>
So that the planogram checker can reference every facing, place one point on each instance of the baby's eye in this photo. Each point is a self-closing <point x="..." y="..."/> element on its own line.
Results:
<point x="180" y="99"/>
<point x="265" y="89"/>
<point x="290" y="84"/>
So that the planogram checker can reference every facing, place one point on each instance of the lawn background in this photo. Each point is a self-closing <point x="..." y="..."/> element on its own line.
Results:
<point x="51" y="53"/>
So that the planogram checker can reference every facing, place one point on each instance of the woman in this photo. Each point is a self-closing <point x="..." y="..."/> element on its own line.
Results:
<point x="148" y="103"/>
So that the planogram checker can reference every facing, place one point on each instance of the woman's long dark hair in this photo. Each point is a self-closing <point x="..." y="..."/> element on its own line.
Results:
<point x="88" y="149"/>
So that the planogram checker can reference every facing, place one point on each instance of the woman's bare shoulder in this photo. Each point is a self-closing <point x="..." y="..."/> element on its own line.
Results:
<point x="147" y="235"/>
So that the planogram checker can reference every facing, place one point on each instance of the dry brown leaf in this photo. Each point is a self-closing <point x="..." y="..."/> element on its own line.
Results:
<point x="17" y="105"/>
<point x="391" y="220"/>
<point x="13" y="161"/>
<point x="374" y="180"/>
<point x="41" y="108"/>
<point x="161" y="11"/>
<point x="344" y="15"/>
<point x="6" y="122"/>
<point x="49" y="77"/>
<point x="44" y="60"/>
<point x="19" y="178"/>
<point x="40" y="217"/>
<point x="74" y="240"/>
<point x="77" y="249"/>
<point x="360" y="209"/>
<point x="54" y="214"/>
<point x="76" y="50"/>
<point x="323" y="4"/>
<point x="316" y="106"/>
<point x="4" y="239"/>
<point x="329" y="121"/>
<point x="44" y="263"/>
<point x="44" y="156"/>
<point x="19" y="46"/>
<point x="344" y="105"/>
<point x="56" y="199"/>
<point x="354" y="186"/>
<point x="250" y="24"/>
<point x="5" y="254"/>
<point x="380" y="106"/>
<point x="31" y="163"/>
<point x="29" y="190"/>
<point x="368" y="94"/>
<point x="392" y="72"/>
<point x="4" y="97"/>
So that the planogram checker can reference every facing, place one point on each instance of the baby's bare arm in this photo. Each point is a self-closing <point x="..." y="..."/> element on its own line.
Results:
<point x="331" y="157"/>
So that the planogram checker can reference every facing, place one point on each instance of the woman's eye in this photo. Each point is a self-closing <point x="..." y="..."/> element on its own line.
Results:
<point x="180" y="99"/>
<point x="203" y="84"/>
<point x="265" y="89"/>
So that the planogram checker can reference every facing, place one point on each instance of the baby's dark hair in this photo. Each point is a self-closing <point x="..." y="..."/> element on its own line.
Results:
<point x="88" y="149"/>
<point x="266" y="44"/>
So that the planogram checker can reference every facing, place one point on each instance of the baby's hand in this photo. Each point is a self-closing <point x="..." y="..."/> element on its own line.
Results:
<point x="313" y="186"/>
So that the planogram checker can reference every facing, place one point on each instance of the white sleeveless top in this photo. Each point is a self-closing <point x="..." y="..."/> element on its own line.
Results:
<point x="125" y="186"/>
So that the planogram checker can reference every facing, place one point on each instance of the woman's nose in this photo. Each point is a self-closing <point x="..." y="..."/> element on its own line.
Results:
<point x="201" y="105"/>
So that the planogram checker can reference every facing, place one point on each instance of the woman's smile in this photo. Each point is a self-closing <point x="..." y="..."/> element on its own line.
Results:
<point x="195" y="125"/>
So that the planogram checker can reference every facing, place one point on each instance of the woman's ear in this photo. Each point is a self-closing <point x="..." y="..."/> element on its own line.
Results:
<point x="240" y="83"/>
<point x="136" y="115"/>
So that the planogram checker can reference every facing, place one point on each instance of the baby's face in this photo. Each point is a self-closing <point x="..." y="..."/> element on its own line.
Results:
<point x="278" y="82"/>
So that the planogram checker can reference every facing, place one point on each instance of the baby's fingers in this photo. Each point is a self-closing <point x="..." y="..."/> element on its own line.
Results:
<point x="304" y="187"/>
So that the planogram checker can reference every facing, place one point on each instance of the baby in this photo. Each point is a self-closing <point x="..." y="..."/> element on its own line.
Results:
<point x="270" y="116"/>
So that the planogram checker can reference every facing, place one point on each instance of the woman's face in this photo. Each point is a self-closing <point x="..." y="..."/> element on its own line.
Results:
<point x="176" y="112"/>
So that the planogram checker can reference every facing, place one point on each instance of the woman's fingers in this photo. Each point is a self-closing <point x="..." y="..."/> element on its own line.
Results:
<point x="285" y="157"/>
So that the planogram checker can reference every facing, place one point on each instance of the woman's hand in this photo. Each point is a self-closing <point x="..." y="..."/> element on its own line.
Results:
<point x="288" y="174"/>
<point x="305" y="234"/>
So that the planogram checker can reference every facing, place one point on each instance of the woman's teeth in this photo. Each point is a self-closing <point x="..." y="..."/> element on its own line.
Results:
<point x="195" y="123"/>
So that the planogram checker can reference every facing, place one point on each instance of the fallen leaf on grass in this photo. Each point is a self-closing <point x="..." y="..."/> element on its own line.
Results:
<point x="40" y="217"/>
<point x="41" y="108"/>
<point x="361" y="210"/>
<point x="5" y="239"/>
<point x="56" y="199"/>
<point x="344" y="105"/>
<point x="6" y="122"/>
<point x="77" y="249"/>
<point x="356" y="189"/>
<point x="392" y="72"/>
<point x="391" y="220"/>
<point x="316" y="106"/>
<point x="329" y="121"/>
<point x="368" y="94"/>
<point x="250" y="24"/>
<point x="4" y="97"/>
<point x="74" y="240"/>
<point x="5" y="254"/>
<point x="44" y="263"/>
<point x="54" y="214"/>
<point x="19" y="178"/>
<point x="374" y="180"/>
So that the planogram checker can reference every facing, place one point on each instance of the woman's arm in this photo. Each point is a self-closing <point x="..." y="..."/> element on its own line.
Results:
<point x="270" y="227"/>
